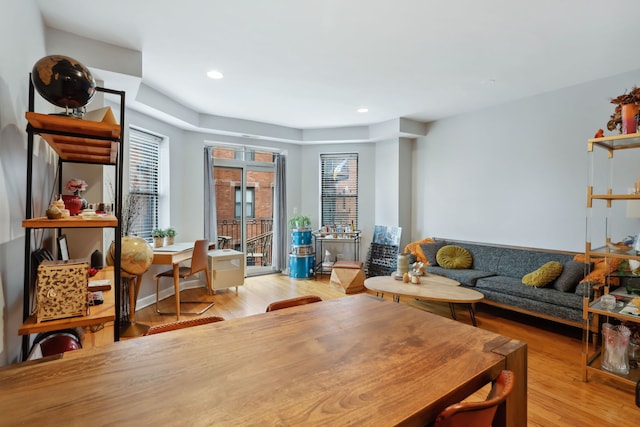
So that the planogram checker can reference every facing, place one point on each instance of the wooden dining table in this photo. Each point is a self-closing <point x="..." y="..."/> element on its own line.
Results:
<point x="356" y="360"/>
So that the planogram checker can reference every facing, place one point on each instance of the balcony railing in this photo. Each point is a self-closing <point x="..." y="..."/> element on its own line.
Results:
<point x="259" y="238"/>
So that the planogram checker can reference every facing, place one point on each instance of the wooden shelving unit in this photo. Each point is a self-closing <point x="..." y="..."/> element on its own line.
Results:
<point x="593" y="312"/>
<point x="75" y="141"/>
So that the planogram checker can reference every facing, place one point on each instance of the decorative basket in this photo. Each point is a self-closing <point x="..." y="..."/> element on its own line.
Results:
<point x="61" y="289"/>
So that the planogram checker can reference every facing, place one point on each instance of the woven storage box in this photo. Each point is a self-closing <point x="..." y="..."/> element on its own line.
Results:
<point x="61" y="289"/>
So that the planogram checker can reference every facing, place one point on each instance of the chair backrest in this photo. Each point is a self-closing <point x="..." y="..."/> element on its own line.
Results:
<point x="477" y="414"/>
<point x="181" y="324"/>
<point x="200" y="255"/>
<point x="292" y="302"/>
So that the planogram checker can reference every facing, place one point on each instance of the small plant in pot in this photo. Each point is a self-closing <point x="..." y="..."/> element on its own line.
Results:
<point x="171" y="235"/>
<point x="158" y="238"/>
<point x="299" y="221"/>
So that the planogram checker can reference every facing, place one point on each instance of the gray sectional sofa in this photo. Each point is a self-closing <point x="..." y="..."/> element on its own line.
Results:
<point x="497" y="272"/>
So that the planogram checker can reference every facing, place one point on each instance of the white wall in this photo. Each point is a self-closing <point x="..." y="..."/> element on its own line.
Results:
<point x="387" y="183"/>
<point x="405" y="190"/>
<point x="516" y="173"/>
<point x="22" y="45"/>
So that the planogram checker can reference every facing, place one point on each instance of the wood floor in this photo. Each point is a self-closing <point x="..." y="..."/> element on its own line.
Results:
<point x="557" y="396"/>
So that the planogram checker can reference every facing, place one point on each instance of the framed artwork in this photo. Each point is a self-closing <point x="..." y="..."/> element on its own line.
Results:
<point x="63" y="248"/>
<point x="389" y="236"/>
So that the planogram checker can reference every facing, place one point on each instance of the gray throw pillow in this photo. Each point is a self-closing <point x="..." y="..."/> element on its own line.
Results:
<point x="572" y="273"/>
<point x="430" y="250"/>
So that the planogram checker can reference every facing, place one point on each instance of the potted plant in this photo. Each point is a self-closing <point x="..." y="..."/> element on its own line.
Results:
<point x="158" y="237"/>
<point x="299" y="221"/>
<point x="171" y="234"/>
<point x="622" y="120"/>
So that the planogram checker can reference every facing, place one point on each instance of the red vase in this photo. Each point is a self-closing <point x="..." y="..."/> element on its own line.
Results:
<point x="73" y="203"/>
<point x="629" y="123"/>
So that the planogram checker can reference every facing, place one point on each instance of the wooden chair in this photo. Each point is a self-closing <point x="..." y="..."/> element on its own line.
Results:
<point x="292" y="302"/>
<point x="477" y="414"/>
<point x="199" y="262"/>
<point x="181" y="324"/>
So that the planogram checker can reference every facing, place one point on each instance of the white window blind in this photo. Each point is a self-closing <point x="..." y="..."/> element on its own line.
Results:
<point x="142" y="202"/>
<point x="339" y="192"/>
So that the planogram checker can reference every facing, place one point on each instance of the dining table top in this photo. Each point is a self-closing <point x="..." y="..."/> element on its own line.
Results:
<point x="355" y="360"/>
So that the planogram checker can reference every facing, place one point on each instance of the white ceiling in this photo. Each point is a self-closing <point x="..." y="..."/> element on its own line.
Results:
<point x="311" y="63"/>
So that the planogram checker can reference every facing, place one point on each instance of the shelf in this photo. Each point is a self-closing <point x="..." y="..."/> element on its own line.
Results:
<point x="616" y="142"/>
<point x="595" y="307"/>
<point x="70" y="222"/>
<point x="77" y="140"/>
<point x="342" y="235"/>
<point x="605" y="252"/>
<point x="595" y="365"/>
<point x="99" y="140"/>
<point x="102" y="313"/>
<point x="616" y="196"/>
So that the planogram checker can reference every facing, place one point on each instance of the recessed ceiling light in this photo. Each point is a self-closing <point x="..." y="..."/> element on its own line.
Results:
<point x="363" y="110"/>
<point x="214" y="74"/>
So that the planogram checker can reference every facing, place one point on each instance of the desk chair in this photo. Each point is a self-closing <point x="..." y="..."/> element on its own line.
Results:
<point x="199" y="262"/>
<point x="181" y="324"/>
<point x="477" y="414"/>
<point x="292" y="302"/>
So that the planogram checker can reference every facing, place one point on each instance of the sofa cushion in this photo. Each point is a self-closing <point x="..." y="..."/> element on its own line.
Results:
<point x="485" y="258"/>
<point x="572" y="273"/>
<point x="554" y="310"/>
<point x="454" y="257"/>
<point x="544" y="275"/>
<point x="515" y="288"/>
<point x="518" y="262"/>
<point x="585" y="289"/>
<point x="431" y="249"/>
<point x="466" y="277"/>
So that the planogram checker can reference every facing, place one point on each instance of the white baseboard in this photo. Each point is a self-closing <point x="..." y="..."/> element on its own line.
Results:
<point x="169" y="291"/>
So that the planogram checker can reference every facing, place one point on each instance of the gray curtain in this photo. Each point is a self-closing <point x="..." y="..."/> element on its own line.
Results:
<point x="280" y="256"/>
<point x="210" y="218"/>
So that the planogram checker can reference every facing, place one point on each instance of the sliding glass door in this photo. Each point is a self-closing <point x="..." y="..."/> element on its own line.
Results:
<point x="245" y="182"/>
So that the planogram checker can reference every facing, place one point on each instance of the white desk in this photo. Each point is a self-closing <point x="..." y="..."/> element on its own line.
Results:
<point x="174" y="255"/>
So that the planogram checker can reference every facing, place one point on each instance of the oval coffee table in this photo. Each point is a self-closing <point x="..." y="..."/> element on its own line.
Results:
<point x="431" y="288"/>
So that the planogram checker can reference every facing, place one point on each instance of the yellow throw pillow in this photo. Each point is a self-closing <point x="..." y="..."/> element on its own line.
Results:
<point x="454" y="257"/>
<point x="544" y="275"/>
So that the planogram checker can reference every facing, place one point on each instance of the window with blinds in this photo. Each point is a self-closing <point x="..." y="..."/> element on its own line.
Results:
<point x="339" y="190"/>
<point x="141" y="207"/>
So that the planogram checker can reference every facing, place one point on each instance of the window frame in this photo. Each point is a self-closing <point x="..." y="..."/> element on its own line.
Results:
<point x="145" y="155"/>
<point x="336" y="167"/>
<point x="250" y="193"/>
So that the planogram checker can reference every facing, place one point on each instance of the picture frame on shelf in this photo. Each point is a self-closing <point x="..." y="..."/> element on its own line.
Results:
<point x="63" y="248"/>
